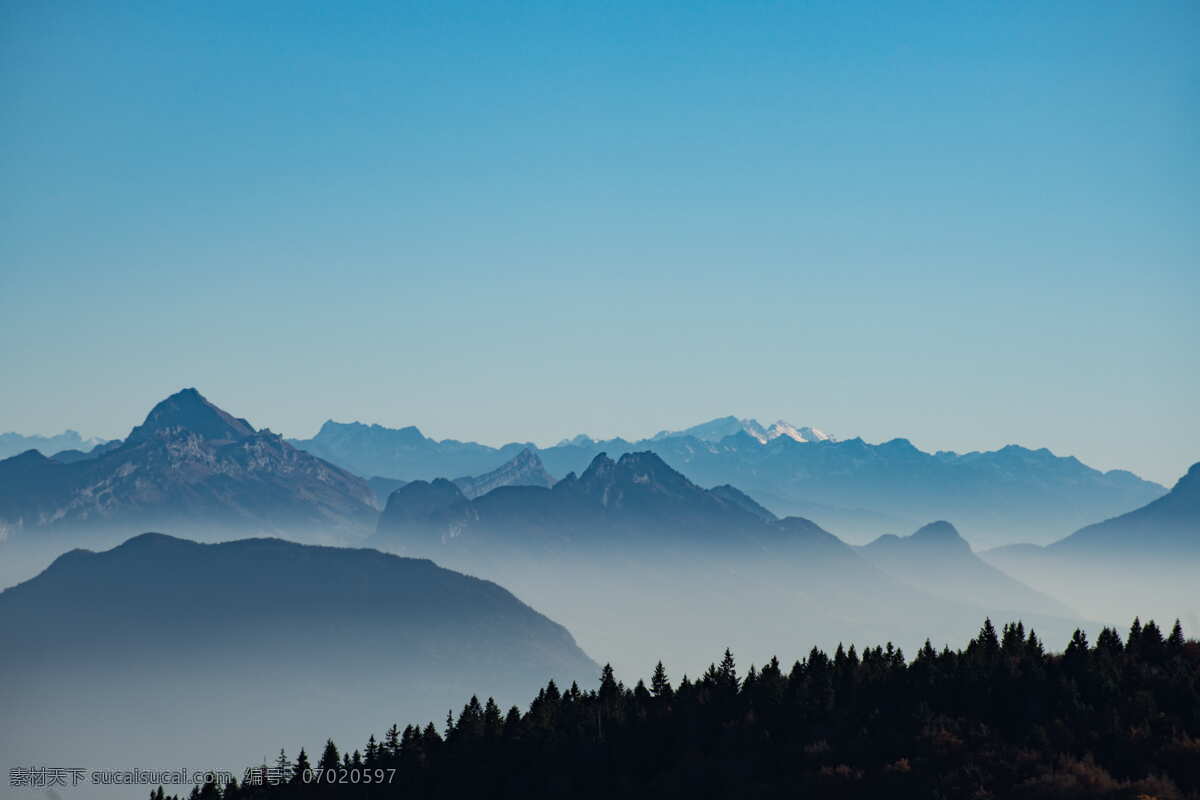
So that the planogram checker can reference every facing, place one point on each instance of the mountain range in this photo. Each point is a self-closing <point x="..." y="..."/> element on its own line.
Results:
<point x="632" y="538"/>
<point x="166" y="640"/>
<point x="851" y="486"/>
<point x="12" y="444"/>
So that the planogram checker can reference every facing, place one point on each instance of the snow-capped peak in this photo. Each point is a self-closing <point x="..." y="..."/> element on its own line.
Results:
<point x="801" y="434"/>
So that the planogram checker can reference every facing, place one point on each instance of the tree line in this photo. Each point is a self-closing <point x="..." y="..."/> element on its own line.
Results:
<point x="1003" y="717"/>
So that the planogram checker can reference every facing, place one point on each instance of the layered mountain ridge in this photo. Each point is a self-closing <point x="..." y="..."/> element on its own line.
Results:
<point x="850" y="486"/>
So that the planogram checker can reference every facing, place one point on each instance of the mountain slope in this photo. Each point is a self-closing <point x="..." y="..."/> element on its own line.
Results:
<point x="261" y="633"/>
<point x="189" y="466"/>
<point x="938" y="560"/>
<point x="1143" y="562"/>
<point x="1170" y="526"/>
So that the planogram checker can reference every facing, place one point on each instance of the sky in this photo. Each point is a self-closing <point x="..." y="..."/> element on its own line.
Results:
<point x="968" y="224"/>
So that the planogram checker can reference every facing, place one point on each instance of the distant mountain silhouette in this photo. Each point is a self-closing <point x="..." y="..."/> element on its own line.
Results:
<point x="12" y="444"/>
<point x="403" y="453"/>
<point x="144" y="646"/>
<point x="525" y="469"/>
<point x="1146" y="560"/>
<point x="1168" y="526"/>
<point x="383" y="488"/>
<point x="637" y="501"/>
<point x="190" y="465"/>
<point x="849" y="486"/>
<point x="938" y="560"/>
<point x="718" y="429"/>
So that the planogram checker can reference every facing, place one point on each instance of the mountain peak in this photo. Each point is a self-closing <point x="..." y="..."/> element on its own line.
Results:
<point x="721" y="428"/>
<point x="940" y="531"/>
<point x="188" y="409"/>
<point x="523" y="469"/>
<point x="1191" y="479"/>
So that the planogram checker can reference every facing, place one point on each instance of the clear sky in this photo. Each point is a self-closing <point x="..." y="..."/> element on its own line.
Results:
<point x="965" y="223"/>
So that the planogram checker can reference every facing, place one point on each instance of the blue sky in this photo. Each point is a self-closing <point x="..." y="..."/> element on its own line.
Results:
<point x="964" y="223"/>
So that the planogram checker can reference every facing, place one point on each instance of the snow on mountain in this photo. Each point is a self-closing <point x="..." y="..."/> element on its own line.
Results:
<point x="717" y="429"/>
<point x="801" y="434"/>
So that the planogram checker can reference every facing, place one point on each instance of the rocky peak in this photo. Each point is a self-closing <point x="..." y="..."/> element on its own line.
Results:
<point x="189" y="410"/>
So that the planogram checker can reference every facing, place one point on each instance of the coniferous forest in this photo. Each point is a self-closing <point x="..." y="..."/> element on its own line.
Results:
<point x="1114" y="718"/>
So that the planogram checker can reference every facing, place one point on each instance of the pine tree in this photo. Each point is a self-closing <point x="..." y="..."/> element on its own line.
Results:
<point x="1152" y="646"/>
<point x="330" y="759"/>
<point x="608" y="685"/>
<point x="660" y="687"/>
<point x="301" y="770"/>
<point x="989" y="643"/>
<point x="727" y="673"/>
<point x="512" y="723"/>
<point x="371" y="754"/>
<point x="492" y="721"/>
<point x="1135" y="635"/>
<point x="1109" y="642"/>
<point x="391" y="741"/>
<point x="1175" y="640"/>
<point x="283" y="767"/>
<point x="1012" y="642"/>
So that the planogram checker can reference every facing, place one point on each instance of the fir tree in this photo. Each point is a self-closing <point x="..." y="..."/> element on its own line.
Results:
<point x="330" y="760"/>
<point x="1175" y="640"/>
<point x="660" y="686"/>
<point x="301" y="770"/>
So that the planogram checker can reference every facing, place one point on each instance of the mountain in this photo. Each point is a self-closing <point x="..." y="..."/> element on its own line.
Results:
<point x="403" y="453"/>
<point x="189" y="466"/>
<point x="12" y="444"/>
<point x="938" y="560"/>
<point x="850" y="486"/>
<point x="722" y="427"/>
<point x="525" y="469"/>
<point x="145" y="646"/>
<point x="1170" y="526"/>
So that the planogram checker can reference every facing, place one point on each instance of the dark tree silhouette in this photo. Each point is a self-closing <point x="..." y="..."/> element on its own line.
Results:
<point x="1000" y="718"/>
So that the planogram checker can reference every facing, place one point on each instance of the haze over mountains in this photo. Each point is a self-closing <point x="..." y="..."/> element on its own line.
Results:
<point x="167" y="640"/>
<point x="1146" y="560"/>
<point x="640" y="559"/>
<point x="633" y="538"/>
<point x="627" y="529"/>
<point x="852" y="487"/>
<point x="938" y="560"/>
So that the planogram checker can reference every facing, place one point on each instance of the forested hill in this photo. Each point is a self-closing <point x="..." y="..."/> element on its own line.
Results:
<point x="1001" y="718"/>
